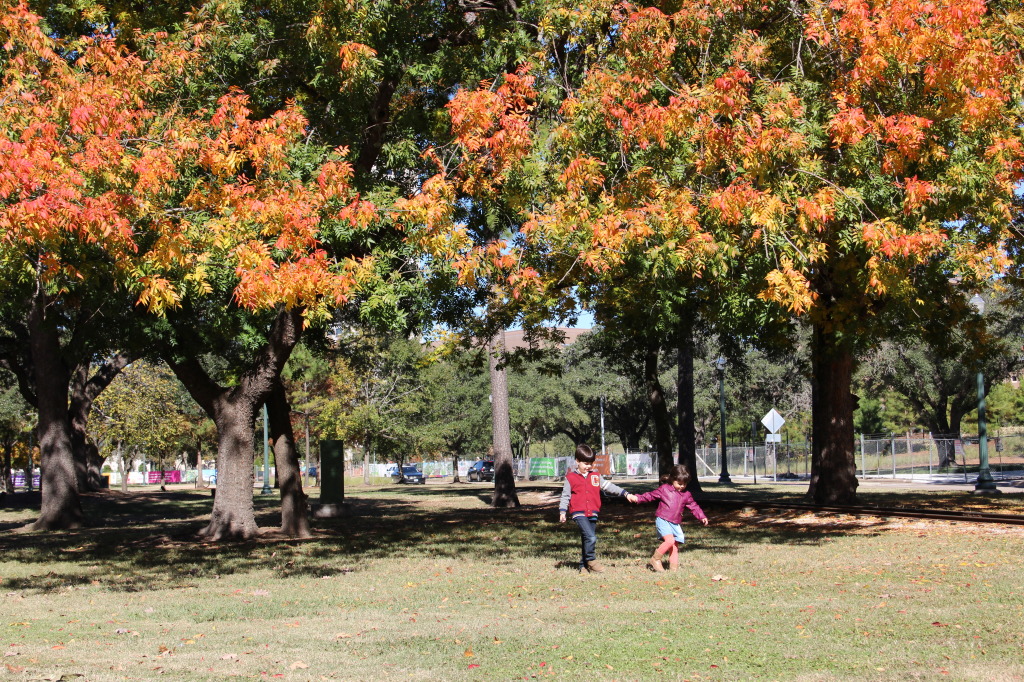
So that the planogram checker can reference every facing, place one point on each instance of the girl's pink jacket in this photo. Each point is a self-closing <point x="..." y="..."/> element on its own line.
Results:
<point x="671" y="503"/>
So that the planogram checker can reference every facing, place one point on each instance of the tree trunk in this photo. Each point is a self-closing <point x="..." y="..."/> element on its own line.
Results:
<point x="234" y="412"/>
<point x="306" y="436"/>
<point x="84" y="390"/>
<point x="659" y="410"/>
<point x="684" y="407"/>
<point x="8" y="479"/>
<point x="833" y="467"/>
<point x="504" y="478"/>
<point x="61" y="505"/>
<point x="294" y="516"/>
<point x="233" y="515"/>
<point x="124" y="467"/>
<point x="455" y="469"/>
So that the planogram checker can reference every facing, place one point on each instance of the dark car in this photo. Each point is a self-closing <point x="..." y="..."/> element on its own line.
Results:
<point x="411" y="475"/>
<point x="481" y="470"/>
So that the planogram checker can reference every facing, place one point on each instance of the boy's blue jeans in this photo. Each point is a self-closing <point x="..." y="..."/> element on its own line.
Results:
<point x="588" y="538"/>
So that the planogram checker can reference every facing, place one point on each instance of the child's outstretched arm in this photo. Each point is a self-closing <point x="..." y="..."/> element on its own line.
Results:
<point x="695" y="509"/>
<point x="649" y="496"/>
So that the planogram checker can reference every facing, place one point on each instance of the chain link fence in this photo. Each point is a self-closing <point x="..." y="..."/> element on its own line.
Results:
<point x="908" y="456"/>
<point x="911" y="456"/>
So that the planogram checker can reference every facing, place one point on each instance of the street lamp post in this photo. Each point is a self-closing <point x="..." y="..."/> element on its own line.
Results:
<point x="266" y="456"/>
<point x="720" y="366"/>
<point x="985" y="485"/>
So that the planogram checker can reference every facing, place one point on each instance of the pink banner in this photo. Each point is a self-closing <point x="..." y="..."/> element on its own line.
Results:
<point x="163" y="477"/>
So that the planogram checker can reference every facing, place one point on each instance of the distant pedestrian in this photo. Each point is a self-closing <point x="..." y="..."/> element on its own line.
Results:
<point x="672" y="499"/>
<point x="581" y="500"/>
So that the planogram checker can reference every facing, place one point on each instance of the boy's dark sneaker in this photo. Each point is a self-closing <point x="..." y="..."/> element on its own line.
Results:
<point x="595" y="567"/>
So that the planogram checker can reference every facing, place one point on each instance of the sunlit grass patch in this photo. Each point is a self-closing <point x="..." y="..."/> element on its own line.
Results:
<point x="427" y="582"/>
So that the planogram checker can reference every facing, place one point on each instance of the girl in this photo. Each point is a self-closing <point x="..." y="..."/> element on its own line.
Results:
<point x="672" y="497"/>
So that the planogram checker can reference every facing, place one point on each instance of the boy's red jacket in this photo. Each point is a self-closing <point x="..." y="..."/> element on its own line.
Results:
<point x="582" y="494"/>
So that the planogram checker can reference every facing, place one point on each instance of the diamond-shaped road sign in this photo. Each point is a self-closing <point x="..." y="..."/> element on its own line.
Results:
<point x="773" y="421"/>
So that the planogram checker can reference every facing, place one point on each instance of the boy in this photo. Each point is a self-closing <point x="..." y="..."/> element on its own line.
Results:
<point x="581" y="500"/>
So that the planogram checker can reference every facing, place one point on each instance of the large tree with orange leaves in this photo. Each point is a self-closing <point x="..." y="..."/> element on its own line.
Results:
<point x="104" y="192"/>
<point x="850" y="158"/>
<point x="71" y="138"/>
<point x="839" y="160"/>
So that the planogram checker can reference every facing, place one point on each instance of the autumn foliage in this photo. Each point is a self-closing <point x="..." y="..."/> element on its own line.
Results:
<point x="111" y="181"/>
<point x="841" y="158"/>
<point x="171" y="198"/>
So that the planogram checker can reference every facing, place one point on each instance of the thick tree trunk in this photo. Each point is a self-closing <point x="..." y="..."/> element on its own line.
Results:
<point x="504" y="478"/>
<point x="61" y="506"/>
<point x="234" y="412"/>
<point x="659" y="410"/>
<point x="294" y="516"/>
<point x="455" y="469"/>
<point x="684" y="407"/>
<point x="833" y="467"/>
<point x="233" y="516"/>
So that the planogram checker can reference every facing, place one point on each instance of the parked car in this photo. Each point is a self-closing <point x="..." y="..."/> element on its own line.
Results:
<point x="481" y="470"/>
<point x="411" y="475"/>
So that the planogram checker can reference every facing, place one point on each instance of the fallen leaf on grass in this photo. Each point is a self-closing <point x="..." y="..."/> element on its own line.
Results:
<point x="718" y="578"/>
<point x="468" y="653"/>
<point x="298" y="665"/>
<point x="343" y="635"/>
<point x="939" y="624"/>
<point x="15" y="668"/>
<point x="260" y="593"/>
<point x="229" y="657"/>
<point x="473" y="665"/>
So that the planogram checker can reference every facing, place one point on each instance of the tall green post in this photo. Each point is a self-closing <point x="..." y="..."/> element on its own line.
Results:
<point x="720" y="366"/>
<point x="332" y="472"/>
<point x="985" y="485"/>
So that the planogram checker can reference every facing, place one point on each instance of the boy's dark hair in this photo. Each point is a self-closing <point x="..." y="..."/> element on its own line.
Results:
<point x="677" y="473"/>
<point x="584" y="453"/>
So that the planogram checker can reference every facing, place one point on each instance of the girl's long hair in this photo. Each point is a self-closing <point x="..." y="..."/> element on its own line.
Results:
<point x="677" y="473"/>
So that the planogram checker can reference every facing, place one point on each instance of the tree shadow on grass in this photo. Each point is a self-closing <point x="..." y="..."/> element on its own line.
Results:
<point x="147" y="541"/>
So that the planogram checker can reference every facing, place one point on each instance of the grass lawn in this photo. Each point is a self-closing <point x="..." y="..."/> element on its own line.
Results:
<point x="427" y="582"/>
